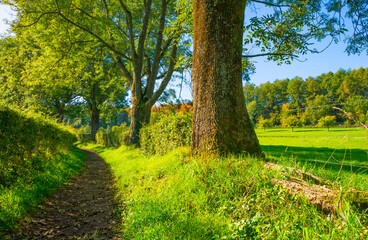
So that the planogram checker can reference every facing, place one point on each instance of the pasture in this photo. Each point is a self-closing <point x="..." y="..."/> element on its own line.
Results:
<point x="339" y="154"/>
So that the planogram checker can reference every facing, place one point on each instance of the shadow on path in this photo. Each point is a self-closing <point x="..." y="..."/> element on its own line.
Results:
<point x="84" y="209"/>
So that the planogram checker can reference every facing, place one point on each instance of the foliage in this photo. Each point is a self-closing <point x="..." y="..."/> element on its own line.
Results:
<point x="84" y="133"/>
<point x="142" y="43"/>
<point x="264" y="123"/>
<point x="311" y="98"/>
<point x="173" y="108"/>
<point x="253" y="109"/>
<point x="327" y="121"/>
<point x="169" y="132"/>
<point x="223" y="198"/>
<point x="115" y="136"/>
<point x="27" y="141"/>
<point x="291" y="121"/>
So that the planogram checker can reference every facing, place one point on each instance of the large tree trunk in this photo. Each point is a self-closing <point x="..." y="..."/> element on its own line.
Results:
<point x="139" y="117"/>
<point x="220" y="119"/>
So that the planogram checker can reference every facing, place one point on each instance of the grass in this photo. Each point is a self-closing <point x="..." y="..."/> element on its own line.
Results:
<point x="331" y="154"/>
<point x="176" y="196"/>
<point x="17" y="201"/>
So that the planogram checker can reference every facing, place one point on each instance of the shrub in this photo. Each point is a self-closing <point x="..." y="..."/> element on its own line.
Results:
<point x="169" y="132"/>
<point x="114" y="136"/>
<point x="84" y="134"/>
<point x="27" y="140"/>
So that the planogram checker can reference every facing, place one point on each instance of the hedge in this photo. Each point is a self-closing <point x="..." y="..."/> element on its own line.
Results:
<point x="169" y="132"/>
<point x="115" y="136"/>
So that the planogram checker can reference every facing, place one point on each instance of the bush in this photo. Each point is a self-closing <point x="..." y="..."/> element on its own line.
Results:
<point x="27" y="141"/>
<point x="84" y="134"/>
<point x="169" y="132"/>
<point x="114" y="136"/>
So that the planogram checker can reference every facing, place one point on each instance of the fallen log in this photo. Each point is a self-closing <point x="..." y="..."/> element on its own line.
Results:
<point x="299" y="173"/>
<point x="320" y="193"/>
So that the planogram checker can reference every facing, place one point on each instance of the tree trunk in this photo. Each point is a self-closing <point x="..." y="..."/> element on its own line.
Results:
<point x="220" y="119"/>
<point x="139" y="117"/>
<point x="95" y="122"/>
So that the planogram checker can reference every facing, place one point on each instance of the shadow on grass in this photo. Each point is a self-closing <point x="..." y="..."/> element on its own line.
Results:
<point x="319" y="156"/>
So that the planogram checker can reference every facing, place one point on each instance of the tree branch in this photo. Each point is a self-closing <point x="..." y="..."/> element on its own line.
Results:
<point x="270" y="54"/>
<point x="125" y="71"/>
<point x="270" y="4"/>
<point x="167" y="78"/>
<point x="38" y="19"/>
<point x="109" y="46"/>
<point x="137" y="88"/>
<point x="129" y="21"/>
<point x="156" y="59"/>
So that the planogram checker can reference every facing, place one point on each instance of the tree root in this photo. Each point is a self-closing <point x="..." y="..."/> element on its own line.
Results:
<point x="320" y="193"/>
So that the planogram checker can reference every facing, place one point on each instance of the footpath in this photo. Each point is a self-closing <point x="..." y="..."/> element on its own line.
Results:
<point x="83" y="209"/>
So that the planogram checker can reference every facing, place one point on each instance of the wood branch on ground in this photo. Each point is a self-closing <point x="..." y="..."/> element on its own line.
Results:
<point x="299" y="173"/>
<point x="320" y="193"/>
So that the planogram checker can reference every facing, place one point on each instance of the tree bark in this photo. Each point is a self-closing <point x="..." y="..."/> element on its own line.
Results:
<point x="220" y="119"/>
<point x="139" y="117"/>
<point x="95" y="121"/>
<point x="94" y="102"/>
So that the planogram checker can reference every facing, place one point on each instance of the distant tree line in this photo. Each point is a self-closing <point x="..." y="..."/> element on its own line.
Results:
<point x="310" y="102"/>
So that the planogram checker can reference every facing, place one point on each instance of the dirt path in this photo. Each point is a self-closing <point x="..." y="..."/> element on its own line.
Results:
<point x="83" y="209"/>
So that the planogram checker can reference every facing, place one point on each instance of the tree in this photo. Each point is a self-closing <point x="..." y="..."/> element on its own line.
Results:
<point x="220" y="118"/>
<point x="254" y="111"/>
<point x="327" y="121"/>
<point x="220" y="121"/>
<point x="296" y="90"/>
<point x="144" y="39"/>
<point x="24" y="85"/>
<point x="291" y="121"/>
<point x="316" y="109"/>
<point x="102" y="90"/>
<point x="264" y="123"/>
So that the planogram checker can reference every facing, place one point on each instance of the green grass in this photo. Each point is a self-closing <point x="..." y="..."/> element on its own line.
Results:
<point x="176" y="196"/>
<point x="17" y="201"/>
<point x="330" y="154"/>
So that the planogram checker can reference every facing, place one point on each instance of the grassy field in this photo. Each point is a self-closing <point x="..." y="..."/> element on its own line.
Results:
<point x="176" y="196"/>
<point x="335" y="154"/>
<point x="17" y="201"/>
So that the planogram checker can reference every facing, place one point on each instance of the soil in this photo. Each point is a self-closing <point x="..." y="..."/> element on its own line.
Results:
<point x="84" y="209"/>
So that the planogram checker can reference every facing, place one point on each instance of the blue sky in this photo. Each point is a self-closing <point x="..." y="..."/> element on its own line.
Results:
<point x="333" y="59"/>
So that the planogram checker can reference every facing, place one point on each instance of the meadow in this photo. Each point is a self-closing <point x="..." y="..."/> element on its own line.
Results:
<point x="339" y="154"/>
<point x="179" y="196"/>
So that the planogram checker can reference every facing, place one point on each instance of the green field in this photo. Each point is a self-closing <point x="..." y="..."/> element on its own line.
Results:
<point x="337" y="145"/>
<point x="340" y="153"/>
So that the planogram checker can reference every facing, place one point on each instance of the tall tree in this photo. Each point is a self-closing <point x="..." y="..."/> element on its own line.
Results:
<point x="143" y="37"/>
<point x="220" y="119"/>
